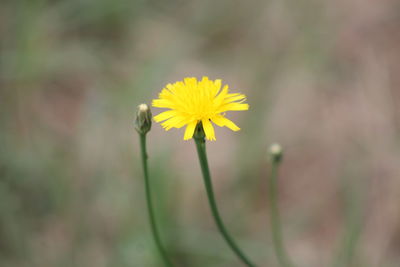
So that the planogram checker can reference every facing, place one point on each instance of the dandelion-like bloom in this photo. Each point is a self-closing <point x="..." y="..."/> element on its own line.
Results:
<point x="192" y="102"/>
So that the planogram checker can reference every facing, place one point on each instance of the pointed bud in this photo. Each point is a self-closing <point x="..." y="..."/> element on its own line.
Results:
<point x="276" y="152"/>
<point x="143" y="119"/>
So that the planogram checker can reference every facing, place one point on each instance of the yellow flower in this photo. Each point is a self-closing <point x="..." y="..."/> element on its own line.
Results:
<point x="191" y="102"/>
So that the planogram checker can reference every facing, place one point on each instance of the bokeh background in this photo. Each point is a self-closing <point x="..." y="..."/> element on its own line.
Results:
<point x="322" y="78"/>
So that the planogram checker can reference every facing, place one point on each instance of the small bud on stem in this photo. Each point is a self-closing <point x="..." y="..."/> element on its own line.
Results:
<point x="143" y="119"/>
<point x="276" y="152"/>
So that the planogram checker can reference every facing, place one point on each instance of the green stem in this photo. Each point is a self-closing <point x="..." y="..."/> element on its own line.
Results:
<point x="353" y="196"/>
<point x="201" y="152"/>
<point x="152" y="219"/>
<point x="282" y="256"/>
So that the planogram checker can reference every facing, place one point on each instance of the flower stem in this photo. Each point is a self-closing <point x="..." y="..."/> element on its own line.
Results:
<point x="152" y="219"/>
<point x="282" y="256"/>
<point x="201" y="152"/>
<point x="353" y="197"/>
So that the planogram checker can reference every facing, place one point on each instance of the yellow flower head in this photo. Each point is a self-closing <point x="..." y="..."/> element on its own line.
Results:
<point x="191" y="102"/>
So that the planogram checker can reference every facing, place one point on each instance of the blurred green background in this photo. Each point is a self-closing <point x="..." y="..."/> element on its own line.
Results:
<point x="321" y="78"/>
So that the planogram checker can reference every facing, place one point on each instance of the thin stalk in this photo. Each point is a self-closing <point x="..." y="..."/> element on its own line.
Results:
<point x="353" y="196"/>
<point x="201" y="152"/>
<point x="152" y="219"/>
<point x="281" y="254"/>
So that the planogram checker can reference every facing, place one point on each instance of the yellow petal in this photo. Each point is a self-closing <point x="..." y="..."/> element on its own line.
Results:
<point x="217" y="86"/>
<point x="162" y="103"/>
<point x="233" y="106"/>
<point x="219" y="120"/>
<point x="234" y="97"/>
<point x="204" y="79"/>
<point x="222" y="121"/>
<point x="208" y="129"/>
<point x="220" y="97"/>
<point x="190" y="130"/>
<point x="174" y="122"/>
<point x="165" y="115"/>
<point x="190" y="81"/>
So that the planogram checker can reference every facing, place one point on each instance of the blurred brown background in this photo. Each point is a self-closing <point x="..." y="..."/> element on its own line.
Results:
<point x="322" y="78"/>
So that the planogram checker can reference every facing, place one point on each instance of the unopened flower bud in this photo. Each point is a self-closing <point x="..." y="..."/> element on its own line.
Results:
<point x="276" y="152"/>
<point x="143" y="119"/>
